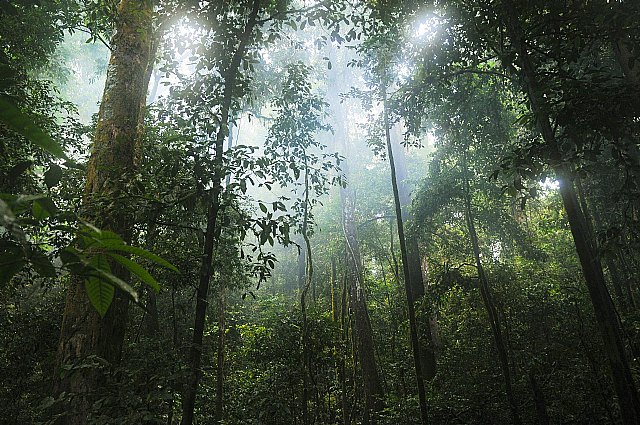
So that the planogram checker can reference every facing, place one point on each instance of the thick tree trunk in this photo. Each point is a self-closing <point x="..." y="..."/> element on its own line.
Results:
<point x="195" y="358"/>
<point x="427" y="352"/>
<point x="112" y="166"/>
<point x="606" y="318"/>
<point x="489" y="304"/>
<point x="413" y="328"/>
<point x="593" y="219"/>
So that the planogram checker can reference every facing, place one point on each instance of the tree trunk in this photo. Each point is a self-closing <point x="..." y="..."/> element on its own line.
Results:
<point x="151" y="322"/>
<point x="219" y="410"/>
<point x="413" y="328"/>
<point x="542" y="416"/>
<point x="363" y="335"/>
<point x="113" y="163"/>
<point x="487" y="298"/>
<point x="195" y="358"/>
<point x="603" y="307"/>
<point x="334" y="296"/>
<point x="595" y="220"/>
<point x="427" y="354"/>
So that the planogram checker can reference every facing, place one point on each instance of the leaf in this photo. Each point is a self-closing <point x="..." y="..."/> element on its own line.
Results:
<point x="138" y="270"/>
<point x="42" y="264"/>
<point x="19" y="168"/>
<point x="52" y="176"/>
<point x="23" y="124"/>
<point x="38" y="212"/>
<point x="140" y="253"/>
<point x="100" y="294"/>
<point x="11" y="260"/>
<point x="263" y="207"/>
<point x="116" y="281"/>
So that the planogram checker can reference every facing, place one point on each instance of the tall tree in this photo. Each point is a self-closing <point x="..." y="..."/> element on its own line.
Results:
<point x="110" y="174"/>
<point x="409" y="285"/>
<point x="604" y="310"/>
<point x="230" y="75"/>
<point x="423" y="318"/>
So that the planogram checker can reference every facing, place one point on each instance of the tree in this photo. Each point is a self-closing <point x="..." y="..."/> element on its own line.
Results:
<point x="110" y="175"/>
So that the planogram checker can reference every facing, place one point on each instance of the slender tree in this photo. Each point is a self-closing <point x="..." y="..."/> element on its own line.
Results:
<point x="413" y="326"/>
<point x="230" y="76"/>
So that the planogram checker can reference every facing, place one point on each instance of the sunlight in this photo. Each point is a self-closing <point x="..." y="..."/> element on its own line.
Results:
<point x="427" y="28"/>
<point x="550" y="184"/>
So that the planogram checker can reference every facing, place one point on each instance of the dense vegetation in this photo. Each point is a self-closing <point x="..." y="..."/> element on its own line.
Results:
<point x="319" y="212"/>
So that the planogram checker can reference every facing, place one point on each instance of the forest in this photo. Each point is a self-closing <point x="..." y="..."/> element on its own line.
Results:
<point x="319" y="212"/>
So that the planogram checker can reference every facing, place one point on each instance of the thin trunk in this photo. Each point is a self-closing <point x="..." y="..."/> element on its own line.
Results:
<point x="413" y="328"/>
<point x="427" y="354"/>
<point x="345" y="344"/>
<point x="487" y="298"/>
<point x="617" y="280"/>
<point x="151" y="322"/>
<point x="542" y="416"/>
<point x="219" y="409"/>
<point x="334" y="296"/>
<point x="606" y="318"/>
<point x="195" y="358"/>
<point x="307" y="277"/>
<point x="113" y="163"/>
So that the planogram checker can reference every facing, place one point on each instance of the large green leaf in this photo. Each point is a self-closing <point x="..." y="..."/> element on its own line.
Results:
<point x="100" y="294"/>
<point x="101" y="284"/>
<point x="99" y="267"/>
<point x="23" y="124"/>
<point x="137" y="269"/>
<point x="140" y="253"/>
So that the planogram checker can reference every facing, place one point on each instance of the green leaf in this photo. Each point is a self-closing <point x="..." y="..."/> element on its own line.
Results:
<point x="52" y="176"/>
<point x="38" y="212"/>
<point x="100" y="294"/>
<point x="23" y="124"/>
<point x="138" y="270"/>
<point x="140" y="253"/>
<point x="116" y="281"/>
<point x="98" y="267"/>
<point x="42" y="264"/>
<point x="11" y="260"/>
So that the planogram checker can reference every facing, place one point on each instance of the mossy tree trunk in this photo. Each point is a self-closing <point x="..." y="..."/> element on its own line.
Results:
<point x="111" y="171"/>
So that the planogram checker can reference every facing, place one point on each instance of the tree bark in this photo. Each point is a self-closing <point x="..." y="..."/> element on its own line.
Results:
<point x="219" y="409"/>
<point x="542" y="416"/>
<point x="112" y="166"/>
<point x="606" y="318"/>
